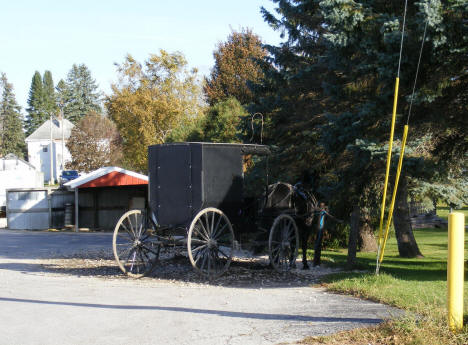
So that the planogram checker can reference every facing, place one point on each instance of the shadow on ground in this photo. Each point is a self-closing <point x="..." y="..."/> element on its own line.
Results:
<point x="254" y="273"/>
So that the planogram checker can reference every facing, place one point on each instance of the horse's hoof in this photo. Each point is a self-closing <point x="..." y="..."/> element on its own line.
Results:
<point x="305" y="267"/>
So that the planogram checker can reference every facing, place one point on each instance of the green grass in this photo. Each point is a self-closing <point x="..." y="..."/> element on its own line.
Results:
<point x="417" y="285"/>
<point x="443" y="211"/>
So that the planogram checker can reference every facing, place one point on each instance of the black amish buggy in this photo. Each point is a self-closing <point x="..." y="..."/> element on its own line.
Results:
<point x="197" y="205"/>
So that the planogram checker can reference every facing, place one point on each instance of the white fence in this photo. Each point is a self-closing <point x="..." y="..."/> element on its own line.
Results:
<point x="34" y="209"/>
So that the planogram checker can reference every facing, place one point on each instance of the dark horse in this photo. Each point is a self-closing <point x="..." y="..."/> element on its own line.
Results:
<point x="296" y="201"/>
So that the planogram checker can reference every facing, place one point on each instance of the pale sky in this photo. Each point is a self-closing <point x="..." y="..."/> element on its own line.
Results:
<point x="54" y="34"/>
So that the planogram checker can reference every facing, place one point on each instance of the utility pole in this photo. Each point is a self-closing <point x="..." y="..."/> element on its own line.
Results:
<point x="51" y="179"/>
<point x="62" y="167"/>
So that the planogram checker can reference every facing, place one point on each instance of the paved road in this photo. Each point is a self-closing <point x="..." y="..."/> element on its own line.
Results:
<point x="41" y="307"/>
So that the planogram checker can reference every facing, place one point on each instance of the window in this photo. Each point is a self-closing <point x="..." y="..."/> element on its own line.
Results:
<point x="44" y="148"/>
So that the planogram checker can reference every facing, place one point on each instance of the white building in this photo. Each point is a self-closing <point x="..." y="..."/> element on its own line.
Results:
<point x="40" y="147"/>
<point x="17" y="173"/>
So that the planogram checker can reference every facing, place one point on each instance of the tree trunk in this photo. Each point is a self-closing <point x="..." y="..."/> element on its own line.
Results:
<point x="434" y="204"/>
<point x="407" y="246"/>
<point x="367" y="242"/>
<point x="353" y="237"/>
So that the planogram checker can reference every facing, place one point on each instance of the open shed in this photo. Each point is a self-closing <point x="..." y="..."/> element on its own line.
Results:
<point x="102" y="196"/>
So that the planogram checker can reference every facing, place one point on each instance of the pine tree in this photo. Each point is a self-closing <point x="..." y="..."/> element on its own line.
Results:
<point x="329" y="94"/>
<point x="36" y="111"/>
<point x="61" y="93"/>
<point x="50" y="105"/>
<point x="11" y="126"/>
<point x="80" y="94"/>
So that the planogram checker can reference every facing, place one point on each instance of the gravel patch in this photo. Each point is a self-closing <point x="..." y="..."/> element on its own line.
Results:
<point x="244" y="271"/>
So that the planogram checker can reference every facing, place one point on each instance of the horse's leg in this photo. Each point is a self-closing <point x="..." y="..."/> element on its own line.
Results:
<point x="318" y="248"/>
<point x="304" y="237"/>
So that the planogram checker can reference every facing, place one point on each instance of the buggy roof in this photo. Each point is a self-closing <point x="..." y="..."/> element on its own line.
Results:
<point x="246" y="149"/>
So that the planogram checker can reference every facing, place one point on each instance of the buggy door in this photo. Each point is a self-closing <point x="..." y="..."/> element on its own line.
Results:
<point x="171" y="182"/>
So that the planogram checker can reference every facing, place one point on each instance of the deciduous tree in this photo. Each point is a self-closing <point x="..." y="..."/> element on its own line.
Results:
<point x="150" y="101"/>
<point x="222" y="122"/>
<point x="236" y="65"/>
<point x="94" y="143"/>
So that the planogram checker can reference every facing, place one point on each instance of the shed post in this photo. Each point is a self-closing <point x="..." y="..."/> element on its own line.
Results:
<point x="76" y="209"/>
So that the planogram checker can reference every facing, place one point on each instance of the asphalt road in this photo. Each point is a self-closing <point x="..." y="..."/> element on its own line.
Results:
<point x="42" y="307"/>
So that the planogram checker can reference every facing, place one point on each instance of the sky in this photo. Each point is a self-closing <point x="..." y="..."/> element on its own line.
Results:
<point x="55" y="34"/>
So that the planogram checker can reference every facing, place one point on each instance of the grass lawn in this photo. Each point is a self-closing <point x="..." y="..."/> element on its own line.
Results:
<point x="443" y="211"/>
<point x="417" y="285"/>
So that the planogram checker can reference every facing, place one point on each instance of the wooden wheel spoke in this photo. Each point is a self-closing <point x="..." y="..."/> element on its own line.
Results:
<point x="218" y="233"/>
<point x="222" y="252"/>
<point x="127" y="249"/>
<point x="205" y="234"/>
<point x="136" y="225"/>
<point x="207" y="223"/>
<point x="131" y="226"/>
<point x="275" y="251"/>
<point x="199" y="248"/>
<point x="140" y="230"/>
<point x="142" y="251"/>
<point x="135" y="260"/>
<point x="125" y="236"/>
<point x="203" y="260"/>
<point x="217" y="226"/>
<point x="140" y="254"/>
<point x="212" y="222"/>
<point x="128" y="231"/>
<point x="198" y="255"/>
<point x="210" y="241"/>
<point x="283" y="243"/>
<point x="210" y="261"/>
<point x="146" y="237"/>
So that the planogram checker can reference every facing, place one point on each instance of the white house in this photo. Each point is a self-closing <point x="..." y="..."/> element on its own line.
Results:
<point x="17" y="173"/>
<point x="50" y="136"/>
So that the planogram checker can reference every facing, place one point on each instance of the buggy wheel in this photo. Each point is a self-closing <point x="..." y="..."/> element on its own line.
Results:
<point x="210" y="242"/>
<point x="283" y="243"/>
<point x="135" y="243"/>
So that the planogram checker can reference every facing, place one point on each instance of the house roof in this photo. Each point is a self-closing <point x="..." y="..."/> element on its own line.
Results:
<point x="13" y="157"/>
<point x="43" y="132"/>
<point x="108" y="177"/>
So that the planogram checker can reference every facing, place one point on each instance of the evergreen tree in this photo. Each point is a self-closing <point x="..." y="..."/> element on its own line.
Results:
<point x="36" y="111"/>
<point x="11" y="126"/>
<point x="61" y="93"/>
<point x="80" y="93"/>
<point x="49" y="101"/>
<point x="329" y="96"/>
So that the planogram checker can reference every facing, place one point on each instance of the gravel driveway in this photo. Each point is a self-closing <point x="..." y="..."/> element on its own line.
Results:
<point x="64" y="288"/>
